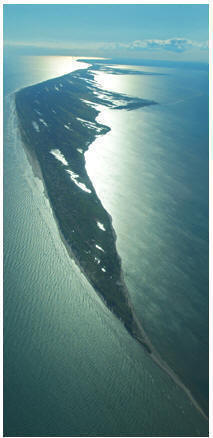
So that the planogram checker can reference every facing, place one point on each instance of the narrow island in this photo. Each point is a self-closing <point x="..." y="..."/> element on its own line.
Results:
<point x="57" y="121"/>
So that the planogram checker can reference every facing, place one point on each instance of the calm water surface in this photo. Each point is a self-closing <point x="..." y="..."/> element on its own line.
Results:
<point x="151" y="172"/>
<point x="70" y="368"/>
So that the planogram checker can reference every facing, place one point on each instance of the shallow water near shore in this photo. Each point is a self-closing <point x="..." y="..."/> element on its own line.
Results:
<point x="71" y="367"/>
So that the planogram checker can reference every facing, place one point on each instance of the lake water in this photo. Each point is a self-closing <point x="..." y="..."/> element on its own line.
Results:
<point x="70" y="367"/>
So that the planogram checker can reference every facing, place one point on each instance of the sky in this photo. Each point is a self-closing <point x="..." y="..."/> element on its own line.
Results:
<point x="149" y="31"/>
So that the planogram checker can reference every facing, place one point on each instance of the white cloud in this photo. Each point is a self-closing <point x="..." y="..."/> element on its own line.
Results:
<point x="172" y="45"/>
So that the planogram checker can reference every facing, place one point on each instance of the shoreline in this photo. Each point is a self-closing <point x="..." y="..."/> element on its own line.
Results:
<point x="150" y="349"/>
<point x="139" y="336"/>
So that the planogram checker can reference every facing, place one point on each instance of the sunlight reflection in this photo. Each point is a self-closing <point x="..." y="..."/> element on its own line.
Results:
<point x="53" y="66"/>
<point x="97" y="163"/>
<point x="107" y="81"/>
<point x="145" y="87"/>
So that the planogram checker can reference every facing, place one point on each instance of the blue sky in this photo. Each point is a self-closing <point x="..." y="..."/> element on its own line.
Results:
<point x="157" y="31"/>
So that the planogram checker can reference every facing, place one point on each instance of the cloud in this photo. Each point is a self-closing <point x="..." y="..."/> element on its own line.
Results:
<point x="172" y="44"/>
<point x="177" y="45"/>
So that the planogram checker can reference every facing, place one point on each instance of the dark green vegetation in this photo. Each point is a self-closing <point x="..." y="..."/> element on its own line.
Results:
<point x="49" y="115"/>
